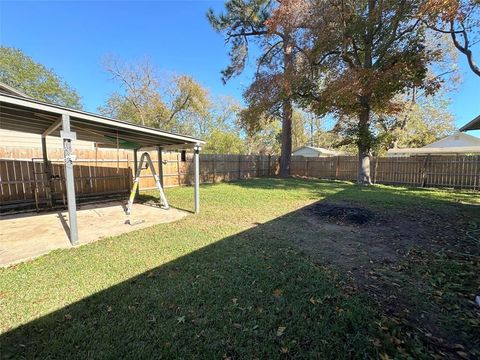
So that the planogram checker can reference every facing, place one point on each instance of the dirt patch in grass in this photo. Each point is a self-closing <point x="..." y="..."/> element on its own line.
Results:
<point x="417" y="264"/>
<point x="341" y="214"/>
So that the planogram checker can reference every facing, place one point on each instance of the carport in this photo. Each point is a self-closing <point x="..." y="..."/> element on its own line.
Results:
<point x="27" y="115"/>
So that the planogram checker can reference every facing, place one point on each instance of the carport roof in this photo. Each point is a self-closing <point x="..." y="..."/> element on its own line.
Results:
<point x="33" y="116"/>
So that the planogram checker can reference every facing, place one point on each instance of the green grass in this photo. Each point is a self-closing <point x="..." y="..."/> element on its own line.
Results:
<point x="225" y="283"/>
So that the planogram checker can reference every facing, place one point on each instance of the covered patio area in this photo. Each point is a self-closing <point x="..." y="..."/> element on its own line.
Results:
<point x="27" y="236"/>
<point x="23" y="114"/>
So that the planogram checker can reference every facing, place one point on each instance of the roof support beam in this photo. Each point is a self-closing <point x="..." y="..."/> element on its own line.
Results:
<point x="67" y="137"/>
<point x="196" y="184"/>
<point x="52" y="128"/>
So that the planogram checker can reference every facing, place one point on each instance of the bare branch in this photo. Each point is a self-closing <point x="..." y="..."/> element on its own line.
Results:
<point x="464" y="49"/>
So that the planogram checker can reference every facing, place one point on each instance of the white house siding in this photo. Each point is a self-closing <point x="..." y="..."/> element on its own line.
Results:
<point x="17" y="139"/>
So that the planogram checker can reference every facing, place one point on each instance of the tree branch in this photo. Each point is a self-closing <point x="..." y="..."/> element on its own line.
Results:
<point x="464" y="49"/>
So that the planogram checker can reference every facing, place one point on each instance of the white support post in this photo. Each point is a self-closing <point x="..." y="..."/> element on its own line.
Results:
<point x="135" y="168"/>
<point x="67" y="137"/>
<point x="196" y="176"/>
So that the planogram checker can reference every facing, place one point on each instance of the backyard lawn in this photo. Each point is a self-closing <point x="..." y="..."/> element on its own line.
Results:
<point x="271" y="268"/>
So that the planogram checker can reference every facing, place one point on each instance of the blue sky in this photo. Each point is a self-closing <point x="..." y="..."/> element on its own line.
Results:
<point x="72" y="37"/>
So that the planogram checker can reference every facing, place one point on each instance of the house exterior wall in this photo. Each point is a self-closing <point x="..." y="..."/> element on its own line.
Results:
<point x="21" y="140"/>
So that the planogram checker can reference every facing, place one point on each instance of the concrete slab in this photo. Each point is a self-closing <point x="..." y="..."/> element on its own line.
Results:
<point x="26" y="236"/>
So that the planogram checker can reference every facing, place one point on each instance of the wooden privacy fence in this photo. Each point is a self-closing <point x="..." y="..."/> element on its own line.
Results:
<point x="111" y="172"/>
<point x="456" y="171"/>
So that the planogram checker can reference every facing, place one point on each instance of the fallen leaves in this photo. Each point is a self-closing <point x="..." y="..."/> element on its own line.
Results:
<point x="281" y="330"/>
<point x="278" y="292"/>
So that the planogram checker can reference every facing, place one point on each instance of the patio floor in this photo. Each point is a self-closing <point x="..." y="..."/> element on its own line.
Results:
<point x="26" y="236"/>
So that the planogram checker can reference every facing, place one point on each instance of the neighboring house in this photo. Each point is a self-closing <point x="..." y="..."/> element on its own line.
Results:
<point x="310" y="151"/>
<point x="457" y="143"/>
<point x="23" y="140"/>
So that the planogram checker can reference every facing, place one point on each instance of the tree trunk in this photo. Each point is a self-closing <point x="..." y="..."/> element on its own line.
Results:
<point x="363" y="167"/>
<point x="364" y="147"/>
<point x="287" y="109"/>
<point x="286" y="151"/>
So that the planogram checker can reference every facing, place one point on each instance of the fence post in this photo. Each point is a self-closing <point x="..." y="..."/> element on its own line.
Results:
<point x="178" y="170"/>
<point x="160" y="165"/>
<point x="374" y="175"/>
<point x="214" y="157"/>
<point x="337" y="168"/>
<point x="239" y="167"/>
<point x="47" y="174"/>
<point x="269" y="162"/>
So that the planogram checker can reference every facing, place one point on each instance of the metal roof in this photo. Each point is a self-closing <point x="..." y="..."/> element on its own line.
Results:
<point x="318" y="149"/>
<point x="7" y="89"/>
<point x="472" y="125"/>
<point x="33" y="116"/>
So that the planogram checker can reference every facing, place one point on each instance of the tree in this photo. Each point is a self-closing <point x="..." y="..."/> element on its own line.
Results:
<point x="23" y="73"/>
<point x="424" y="121"/>
<point x="266" y="141"/>
<point x="460" y="19"/>
<point x="140" y="101"/>
<point x="273" y="26"/>
<point x="176" y="103"/>
<point x="190" y="106"/>
<point x="366" y="52"/>
<point x="224" y="142"/>
<point x="299" y="123"/>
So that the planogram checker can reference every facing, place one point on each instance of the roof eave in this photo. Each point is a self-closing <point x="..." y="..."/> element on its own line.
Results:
<point x="472" y="125"/>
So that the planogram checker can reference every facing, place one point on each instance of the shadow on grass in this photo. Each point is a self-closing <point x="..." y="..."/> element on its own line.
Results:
<point x="250" y="295"/>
